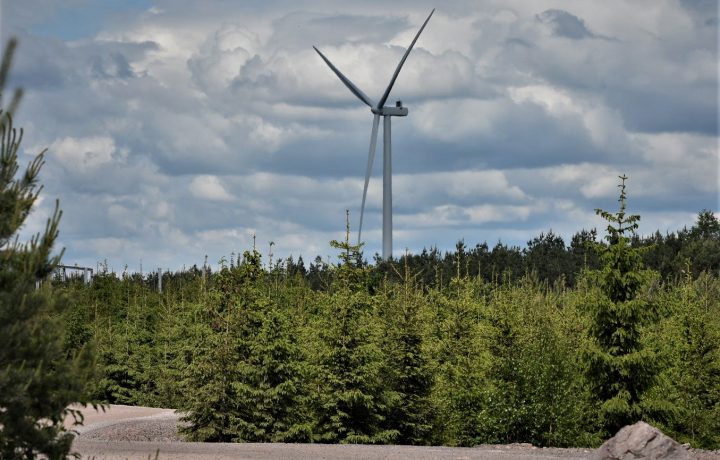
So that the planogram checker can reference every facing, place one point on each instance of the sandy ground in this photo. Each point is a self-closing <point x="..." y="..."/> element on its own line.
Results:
<point x="125" y="432"/>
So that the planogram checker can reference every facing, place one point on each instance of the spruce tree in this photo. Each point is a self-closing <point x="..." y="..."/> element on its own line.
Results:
<point x="272" y="396"/>
<point x="245" y="379"/>
<point x="459" y="358"/>
<point x="547" y="256"/>
<point x="690" y="335"/>
<point x="218" y="354"/>
<point x="352" y="403"/>
<point x="619" y="368"/>
<point x="702" y="248"/>
<point x="407" y="362"/>
<point x="38" y="379"/>
<point x="270" y="390"/>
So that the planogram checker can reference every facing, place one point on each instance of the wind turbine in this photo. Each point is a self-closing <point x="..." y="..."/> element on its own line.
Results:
<point x="379" y="109"/>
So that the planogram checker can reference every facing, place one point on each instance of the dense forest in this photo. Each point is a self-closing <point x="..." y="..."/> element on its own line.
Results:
<point x="551" y="344"/>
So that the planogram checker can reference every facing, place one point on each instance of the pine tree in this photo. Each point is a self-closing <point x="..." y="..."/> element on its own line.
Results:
<point x="619" y="368"/>
<point x="38" y="380"/>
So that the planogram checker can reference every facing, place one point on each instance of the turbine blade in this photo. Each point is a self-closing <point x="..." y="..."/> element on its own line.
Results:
<point x="385" y="96"/>
<point x="371" y="157"/>
<point x="350" y="85"/>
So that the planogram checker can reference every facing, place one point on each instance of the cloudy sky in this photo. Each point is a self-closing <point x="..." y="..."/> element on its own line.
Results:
<point x="180" y="128"/>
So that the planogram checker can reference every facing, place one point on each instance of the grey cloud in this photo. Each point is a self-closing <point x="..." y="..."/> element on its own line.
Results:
<point x="107" y="179"/>
<point x="303" y="30"/>
<point x="652" y="91"/>
<point x="130" y="217"/>
<point x="416" y="150"/>
<point x="565" y="24"/>
<point x="707" y="10"/>
<point x="648" y="110"/>
<point x="45" y="64"/>
<point x="111" y="66"/>
<point x="260" y="198"/>
<point x="256" y="76"/>
<point x="471" y="136"/>
<point x="282" y="74"/>
<point x="50" y="64"/>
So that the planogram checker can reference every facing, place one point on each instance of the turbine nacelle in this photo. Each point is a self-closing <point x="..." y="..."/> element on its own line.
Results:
<point x="389" y="111"/>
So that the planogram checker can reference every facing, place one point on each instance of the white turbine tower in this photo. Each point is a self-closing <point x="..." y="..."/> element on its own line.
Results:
<point x="387" y="112"/>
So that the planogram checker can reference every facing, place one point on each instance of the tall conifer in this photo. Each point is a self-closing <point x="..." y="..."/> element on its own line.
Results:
<point x="619" y="368"/>
<point x="408" y="369"/>
<point x="38" y="380"/>
<point x="352" y="402"/>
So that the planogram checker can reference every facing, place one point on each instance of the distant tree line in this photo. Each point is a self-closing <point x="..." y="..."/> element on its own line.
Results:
<point x="547" y="256"/>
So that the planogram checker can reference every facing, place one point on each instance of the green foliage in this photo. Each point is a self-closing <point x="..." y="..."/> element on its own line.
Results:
<point x="554" y="345"/>
<point x="244" y="379"/>
<point x="534" y="392"/>
<point x="620" y="369"/>
<point x="208" y="379"/>
<point x="460" y="359"/>
<point x="38" y="378"/>
<point x="702" y="251"/>
<point x="547" y="256"/>
<point x="434" y="349"/>
<point x="353" y="401"/>
<point x="407" y="367"/>
<point x="275" y="393"/>
<point x="689" y="335"/>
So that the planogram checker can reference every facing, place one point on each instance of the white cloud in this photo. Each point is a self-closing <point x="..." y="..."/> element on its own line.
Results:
<point x="86" y="154"/>
<point x="454" y="119"/>
<point x="209" y="188"/>
<point x="449" y="215"/>
<point x="219" y="60"/>
<point x="555" y="100"/>
<point x="463" y="187"/>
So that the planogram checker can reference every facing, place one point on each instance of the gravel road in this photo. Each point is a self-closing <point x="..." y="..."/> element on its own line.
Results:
<point x="125" y="432"/>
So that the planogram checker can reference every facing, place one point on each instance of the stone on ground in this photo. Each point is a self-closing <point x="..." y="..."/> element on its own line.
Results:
<point x="641" y="441"/>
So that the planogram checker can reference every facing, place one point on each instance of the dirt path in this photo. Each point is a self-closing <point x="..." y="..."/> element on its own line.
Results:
<point x="125" y="432"/>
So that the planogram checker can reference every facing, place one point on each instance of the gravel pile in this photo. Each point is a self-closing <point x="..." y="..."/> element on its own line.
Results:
<point x="705" y="454"/>
<point x="160" y="429"/>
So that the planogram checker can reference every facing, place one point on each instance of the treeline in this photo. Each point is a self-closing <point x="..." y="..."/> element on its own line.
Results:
<point x="550" y="258"/>
<point x="546" y="256"/>
<point x="549" y="345"/>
